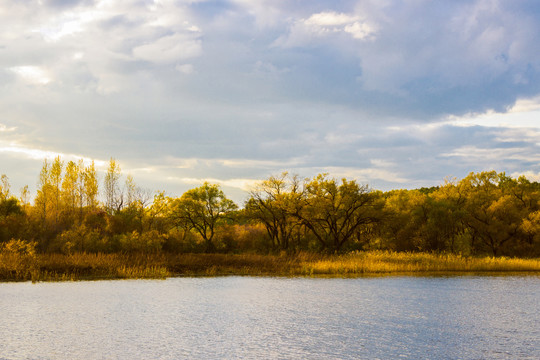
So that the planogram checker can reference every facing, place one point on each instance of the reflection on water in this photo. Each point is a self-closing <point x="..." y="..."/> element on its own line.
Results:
<point x="273" y="318"/>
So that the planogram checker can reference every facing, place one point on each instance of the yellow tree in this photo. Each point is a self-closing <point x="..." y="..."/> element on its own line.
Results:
<point x="70" y="191"/>
<point x="55" y="176"/>
<point x="4" y="187"/>
<point x="531" y="228"/>
<point x="131" y="190"/>
<point x="25" y="197"/>
<point x="446" y="218"/>
<point x="269" y="204"/>
<point x="113" y="195"/>
<point x="44" y="193"/>
<point x="90" y="184"/>
<point x="334" y="211"/>
<point x="403" y="216"/>
<point x="493" y="217"/>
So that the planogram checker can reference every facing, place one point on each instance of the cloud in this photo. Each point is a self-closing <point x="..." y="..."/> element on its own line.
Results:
<point x="398" y="94"/>
<point x="186" y="68"/>
<point x="4" y="128"/>
<point x="40" y="154"/>
<point x="169" y="49"/>
<point x="526" y="105"/>
<point x="324" y="25"/>
<point x="329" y="19"/>
<point x="523" y="114"/>
<point x="530" y="175"/>
<point x="32" y="74"/>
<point x="242" y="184"/>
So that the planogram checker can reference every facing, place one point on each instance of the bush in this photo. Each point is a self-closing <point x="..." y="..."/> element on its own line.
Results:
<point x="82" y="239"/>
<point x="17" y="259"/>
<point x="183" y="241"/>
<point x="149" y="241"/>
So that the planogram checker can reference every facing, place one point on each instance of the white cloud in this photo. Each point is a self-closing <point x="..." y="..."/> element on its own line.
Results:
<point x="473" y="154"/>
<point x="328" y="19"/>
<point x="360" y="30"/>
<point x="530" y="175"/>
<point x="32" y="74"/>
<point x="4" y="128"/>
<point x="367" y="174"/>
<point x="526" y="105"/>
<point x="261" y="164"/>
<point x="525" y="113"/>
<point x="242" y="184"/>
<point x="40" y="154"/>
<point x="325" y="24"/>
<point x="169" y="49"/>
<point x="61" y="30"/>
<point x="186" y="68"/>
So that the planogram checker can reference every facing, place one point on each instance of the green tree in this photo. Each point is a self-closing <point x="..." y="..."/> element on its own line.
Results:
<point x="202" y="209"/>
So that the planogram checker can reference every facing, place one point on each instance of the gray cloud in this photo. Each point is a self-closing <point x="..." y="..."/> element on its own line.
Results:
<point x="352" y="87"/>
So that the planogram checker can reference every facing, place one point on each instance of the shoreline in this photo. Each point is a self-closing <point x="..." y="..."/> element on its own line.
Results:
<point x="88" y="266"/>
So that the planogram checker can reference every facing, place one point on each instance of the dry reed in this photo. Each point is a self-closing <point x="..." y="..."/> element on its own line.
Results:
<point x="21" y="266"/>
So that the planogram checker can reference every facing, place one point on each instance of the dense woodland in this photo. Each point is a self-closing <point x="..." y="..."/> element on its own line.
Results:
<point x="486" y="213"/>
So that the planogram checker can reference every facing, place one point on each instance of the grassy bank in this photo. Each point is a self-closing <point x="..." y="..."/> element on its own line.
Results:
<point x="19" y="266"/>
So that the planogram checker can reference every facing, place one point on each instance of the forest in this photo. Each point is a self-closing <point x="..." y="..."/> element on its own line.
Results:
<point x="73" y="211"/>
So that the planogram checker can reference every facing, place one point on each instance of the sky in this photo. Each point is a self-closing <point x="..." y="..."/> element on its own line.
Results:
<point x="392" y="93"/>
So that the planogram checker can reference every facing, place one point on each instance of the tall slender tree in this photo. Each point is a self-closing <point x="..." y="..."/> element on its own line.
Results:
<point x="113" y="195"/>
<point x="90" y="183"/>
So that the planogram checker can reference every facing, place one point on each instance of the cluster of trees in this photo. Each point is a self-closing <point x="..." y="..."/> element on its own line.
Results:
<point x="484" y="213"/>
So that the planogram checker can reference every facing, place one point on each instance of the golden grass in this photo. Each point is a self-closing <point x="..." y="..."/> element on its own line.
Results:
<point x="20" y="266"/>
<point x="381" y="262"/>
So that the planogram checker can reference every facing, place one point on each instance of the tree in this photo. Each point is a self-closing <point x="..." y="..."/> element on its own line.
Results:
<point x="70" y="191"/>
<point x="55" y="176"/>
<point x="402" y="217"/>
<point x="202" y="209"/>
<point x="43" y="201"/>
<point x="131" y="190"/>
<point x="493" y="217"/>
<point x="446" y="219"/>
<point x="335" y="211"/>
<point x="90" y="183"/>
<point x="531" y="228"/>
<point x="11" y="212"/>
<point x="113" y="196"/>
<point x="5" y="187"/>
<point x="25" y="197"/>
<point x="269" y="205"/>
<point x="158" y="213"/>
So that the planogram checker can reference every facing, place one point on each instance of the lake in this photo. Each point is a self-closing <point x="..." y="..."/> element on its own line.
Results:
<point x="466" y="317"/>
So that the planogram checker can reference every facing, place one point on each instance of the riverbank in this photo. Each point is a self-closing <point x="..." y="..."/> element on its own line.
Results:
<point x="83" y="266"/>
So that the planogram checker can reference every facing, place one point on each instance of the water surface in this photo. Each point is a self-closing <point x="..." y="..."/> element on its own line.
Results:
<point x="273" y="318"/>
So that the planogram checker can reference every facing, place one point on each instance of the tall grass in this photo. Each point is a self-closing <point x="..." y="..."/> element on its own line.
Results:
<point x="19" y="263"/>
<point x="380" y="262"/>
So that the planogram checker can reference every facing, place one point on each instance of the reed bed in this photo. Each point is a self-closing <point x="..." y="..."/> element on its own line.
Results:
<point x="381" y="262"/>
<point x="21" y="266"/>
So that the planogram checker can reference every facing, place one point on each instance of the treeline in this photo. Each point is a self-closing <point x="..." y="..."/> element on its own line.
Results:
<point x="72" y="211"/>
